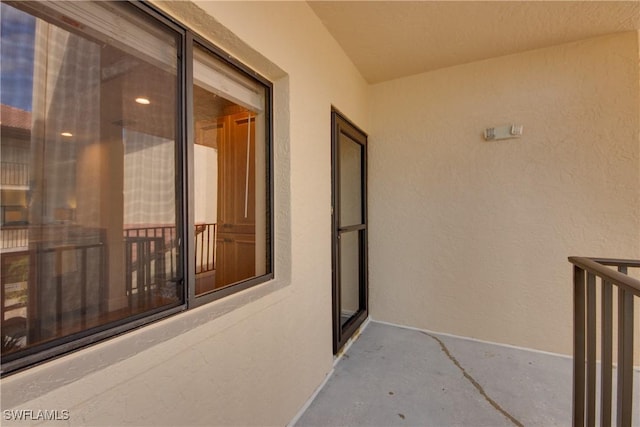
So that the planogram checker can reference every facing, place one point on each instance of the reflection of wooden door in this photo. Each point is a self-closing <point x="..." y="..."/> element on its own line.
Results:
<point x="236" y="258"/>
<point x="236" y="201"/>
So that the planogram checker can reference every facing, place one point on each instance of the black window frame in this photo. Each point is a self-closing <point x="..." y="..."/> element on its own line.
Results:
<point x="191" y="40"/>
<point x="44" y="352"/>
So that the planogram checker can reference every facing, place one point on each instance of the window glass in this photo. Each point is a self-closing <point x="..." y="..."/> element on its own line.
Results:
<point x="89" y="231"/>
<point x="230" y="175"/>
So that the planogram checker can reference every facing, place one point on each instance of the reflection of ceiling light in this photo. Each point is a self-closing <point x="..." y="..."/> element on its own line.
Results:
<point x="143" y="101"/>
<point x="67" y="134"/>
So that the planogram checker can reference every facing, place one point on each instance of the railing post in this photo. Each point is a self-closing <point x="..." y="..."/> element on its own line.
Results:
<point x="591" y="350"/>
<point x="578" y="345"/>
<point x="606" y="362"/>
<point x="625" y="357"/>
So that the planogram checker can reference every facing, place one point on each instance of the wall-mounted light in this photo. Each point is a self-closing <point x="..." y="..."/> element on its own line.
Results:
<point x="143" y="101"/>
<point x="503" y="132"/>
<point x="66" y="134"/>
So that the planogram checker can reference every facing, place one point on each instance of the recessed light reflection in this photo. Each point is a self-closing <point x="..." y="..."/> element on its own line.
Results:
<point x="67" y="134"/>
<point x="143" y="101"/>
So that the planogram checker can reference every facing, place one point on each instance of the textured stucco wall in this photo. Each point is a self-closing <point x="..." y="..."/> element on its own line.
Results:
<point x="472" y="237"/>
<point x="253" y="358"/>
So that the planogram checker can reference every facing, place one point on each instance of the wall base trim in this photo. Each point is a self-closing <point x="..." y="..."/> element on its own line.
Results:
<point x="515" y="347"/>
<point x="444" y="334"/>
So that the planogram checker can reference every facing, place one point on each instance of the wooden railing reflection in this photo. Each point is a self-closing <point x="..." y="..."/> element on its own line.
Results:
<point x="55" y="284"/>
<point x="151" y="257"/>
<point x="205" y="247"/>
<point x="50" y="288"/>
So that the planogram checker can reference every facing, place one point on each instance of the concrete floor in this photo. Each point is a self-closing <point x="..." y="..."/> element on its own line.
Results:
<point x="393" y="376"/>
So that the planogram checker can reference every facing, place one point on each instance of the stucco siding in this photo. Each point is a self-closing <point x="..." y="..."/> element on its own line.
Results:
<point x="471" y="237"/>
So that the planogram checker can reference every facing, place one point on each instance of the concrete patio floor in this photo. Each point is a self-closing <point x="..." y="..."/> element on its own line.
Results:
<point x="394" y="376"/>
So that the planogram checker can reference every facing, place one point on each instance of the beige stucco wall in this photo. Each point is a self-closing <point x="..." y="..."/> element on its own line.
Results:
<point x="253" y="358"/>
<point x="471" y="237"/>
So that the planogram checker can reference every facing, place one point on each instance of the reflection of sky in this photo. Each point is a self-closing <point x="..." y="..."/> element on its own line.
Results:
<point x="16" y="59"/>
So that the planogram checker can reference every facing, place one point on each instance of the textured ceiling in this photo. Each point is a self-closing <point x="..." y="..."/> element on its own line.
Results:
<point x="392" y="39"/>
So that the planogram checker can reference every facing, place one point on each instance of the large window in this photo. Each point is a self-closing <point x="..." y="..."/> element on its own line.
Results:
<point x="133" y="184"/>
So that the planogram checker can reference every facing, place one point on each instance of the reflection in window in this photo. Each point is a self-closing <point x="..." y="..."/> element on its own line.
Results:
<point x="89" y="226"/>
<point x="230" y="196"/>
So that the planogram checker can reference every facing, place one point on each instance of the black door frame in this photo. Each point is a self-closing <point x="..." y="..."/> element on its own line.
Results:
<point x="341" y="333"/>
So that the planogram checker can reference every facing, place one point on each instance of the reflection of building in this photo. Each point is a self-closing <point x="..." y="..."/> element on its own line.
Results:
<point x="15" y="133"/>
<point x="14" y="181"/>
<point x="88" y="193"/>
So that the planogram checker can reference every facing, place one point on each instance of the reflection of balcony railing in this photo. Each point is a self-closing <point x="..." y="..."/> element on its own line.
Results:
<point x="54" y="280"/>
<point x="69" y="290"/>
<point x="205" y="245"/>
<point x="14" y="174"/>
<point x="151" y="249"/>
<point x="151" y="255"/>
<point x="14" y="238"/>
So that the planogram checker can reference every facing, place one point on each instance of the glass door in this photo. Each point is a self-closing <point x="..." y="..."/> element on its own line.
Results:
<point x="349" y="172"/>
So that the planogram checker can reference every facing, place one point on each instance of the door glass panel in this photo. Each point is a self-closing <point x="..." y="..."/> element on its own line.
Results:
<point x="350" y="229"/>
<point x="349" y="275"/>
<point x="350" y="181"/>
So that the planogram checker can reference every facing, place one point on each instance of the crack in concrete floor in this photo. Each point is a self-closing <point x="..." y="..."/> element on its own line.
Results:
<point x="472" y="380"/>
<point x="390" y="371"/>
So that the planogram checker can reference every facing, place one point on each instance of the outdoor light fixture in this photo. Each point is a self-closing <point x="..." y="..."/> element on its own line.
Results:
<point x="66" y="134"/>
<point x="143" y="101"/>
<point x="503" y="132"/>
